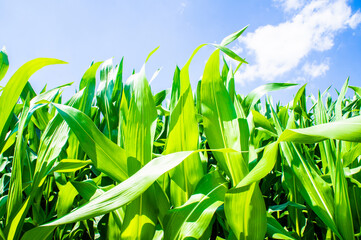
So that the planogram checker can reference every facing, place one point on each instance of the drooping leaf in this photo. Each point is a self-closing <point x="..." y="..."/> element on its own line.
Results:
<point x="118" y="196"/>
<point x="257" y="93"/>
<point x="332" y="130"/>
<point x="105" y="155"/>
<point x="15" y="85"/>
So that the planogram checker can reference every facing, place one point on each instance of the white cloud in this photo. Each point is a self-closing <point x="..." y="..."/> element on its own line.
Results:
<point x="238" y="78"/>
<point x="316" y="70"/>
<point x="276" y="50"/>
<point x="355" y="20"/>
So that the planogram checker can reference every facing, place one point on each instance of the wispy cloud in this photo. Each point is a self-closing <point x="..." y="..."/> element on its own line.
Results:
<point x="316" y="70"/>
<point x="289" y="5"/>
<point x="182" y="7"/>
<point x="274" y="50"/>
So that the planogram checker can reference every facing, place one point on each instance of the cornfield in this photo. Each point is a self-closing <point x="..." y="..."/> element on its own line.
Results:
<point x="117" y="162"/>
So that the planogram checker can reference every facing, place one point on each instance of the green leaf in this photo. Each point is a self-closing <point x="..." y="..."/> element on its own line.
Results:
<point x="159" y="97"/>
<point x="140" y="215"/>
<point x="141" y="123"/>
<point x="104" y="97"/>
<point x="312" y="187"/>
<point x="343" y="215"/>
<point x="263" y="167"/>
<point x="151" y="53"/>
<point x="88" y="83"/>
<point x="117" y="197"/>
<point x="87" y="189"/>
<point x="283" y="206"/>
<point x="262" y="121"/>
<point x="193" y="218"/>
<point x="332" y="130"/>
<point x="246" y="212"/>
<point x="356" y="89"/>
<point x="4" y="63"/>
<point x="105" y="155"/>
<point x="175" y="89"/>
<point x="70" y="165"/>
<point x="183" y="136"/>
<point x="314" y="190"/>
<point x="51" y="144"/>
<point x="252" y="98"/>
<point x="220" y="121"/>
<point x="230" y="53"/>
<point x="275" y="229"/>
<point x="351" y="155"/>
<point x="118" y="85"/>
<point x="223" y="129"/>
<point x="341" y="96"/>
<point x="15" y="196"/>
<point x="15" y="85"/>
<point x="123" y="116"/>
<point x="227" y="40"/>
<point x="66" y="196"/>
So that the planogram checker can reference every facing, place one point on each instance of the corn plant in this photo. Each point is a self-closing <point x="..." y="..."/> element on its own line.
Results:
<point x="119" y="162"/>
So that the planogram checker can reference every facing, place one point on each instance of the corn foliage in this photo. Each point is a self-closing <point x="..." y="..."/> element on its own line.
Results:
<point x="117" y="162"/>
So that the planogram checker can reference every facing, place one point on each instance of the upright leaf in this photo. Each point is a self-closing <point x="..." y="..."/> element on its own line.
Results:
<point x="183" y="136"/>
<point x="140" y="214"/>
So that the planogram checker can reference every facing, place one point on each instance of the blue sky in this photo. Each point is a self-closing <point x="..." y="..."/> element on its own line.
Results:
<point x="316" y="42"/>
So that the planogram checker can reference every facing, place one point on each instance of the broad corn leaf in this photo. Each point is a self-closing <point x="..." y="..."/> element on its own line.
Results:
<point x="246" y="212"/>
<point x="220" y="121"/>
<point x="223" y="129"/>
<point x="105" y="155"/>
<point x="140" y="126"/>
<point x="332" y="130"/>
<point x="192" y="218"/>
<point x="118" y="196"/>
<point x="140" y="215"/>
<point x="67" y="193"/>
<point x="183" y="136"/>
